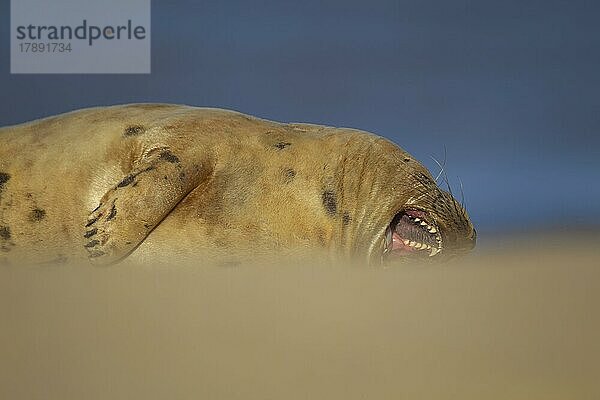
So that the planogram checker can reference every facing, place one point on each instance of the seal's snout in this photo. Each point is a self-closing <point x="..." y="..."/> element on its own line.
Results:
<point x="457" y="230"/>
<point x="442" y="229"/>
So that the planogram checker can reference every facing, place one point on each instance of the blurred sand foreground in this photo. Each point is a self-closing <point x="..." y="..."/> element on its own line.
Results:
<point x="502" y="324"/>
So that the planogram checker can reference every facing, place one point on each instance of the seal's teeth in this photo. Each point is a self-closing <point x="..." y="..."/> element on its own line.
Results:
<point x="434" y="251"/>
<point x="412" y="244"/>
<point x="405" y="241"/>
<point x="417" y="219"/>
<point x="423" y="223"/>
<point x="432" y="229"/>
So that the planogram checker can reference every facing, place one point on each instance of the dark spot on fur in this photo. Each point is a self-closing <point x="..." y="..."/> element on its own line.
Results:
<point x="134" y="130"/>
<point x="406" y="159"/>
<point x="346" y="218"/>
<point x="289" y="174"/>
<point x="182" y="175"/>
<point x="92" y="243"/>
<point x="5" y="233"/>
<point x="4" y="177"/>
<point x="329" y="202"/>
<point x="147" y="226"/>
<point x="96" y="253"/>
<point x="126" y="181"/>
<point x="37" y="215"/>
<point x="130" y="178"/>
<point x="168" y="156"/>
<point x="92" y="221"/>
<point x="113" y="212"/>
<point x="5" y="243"/>
<point x="282" y="145"/>
<point x="90" y="233"/>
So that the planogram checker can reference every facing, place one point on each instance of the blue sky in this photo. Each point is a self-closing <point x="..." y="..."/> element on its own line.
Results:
<point x="509" y="90"/>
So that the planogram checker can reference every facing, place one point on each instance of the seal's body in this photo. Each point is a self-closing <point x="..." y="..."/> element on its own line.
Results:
<point x="179" y="183"/>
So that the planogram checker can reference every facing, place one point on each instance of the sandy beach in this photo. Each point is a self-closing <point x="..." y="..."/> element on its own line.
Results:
<point x="518" y="321"/>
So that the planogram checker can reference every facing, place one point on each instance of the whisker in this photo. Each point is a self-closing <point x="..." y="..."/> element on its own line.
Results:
<point x="462" y="193"/>
<point x="454" y="203"/>
<point x="439" y="165"/>
<point x="444" y="171"/>
<point x="423" y="182"/>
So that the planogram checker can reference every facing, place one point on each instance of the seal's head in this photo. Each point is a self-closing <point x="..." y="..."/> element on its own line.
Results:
<point x="410" y="216"/>
<point x="428" y="222"/>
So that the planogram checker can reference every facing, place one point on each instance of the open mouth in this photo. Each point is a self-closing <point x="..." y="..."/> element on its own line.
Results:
<point x="412" y="233"/>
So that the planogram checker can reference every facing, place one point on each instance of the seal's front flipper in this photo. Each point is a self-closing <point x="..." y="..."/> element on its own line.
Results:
<point x="128" y="212"/>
